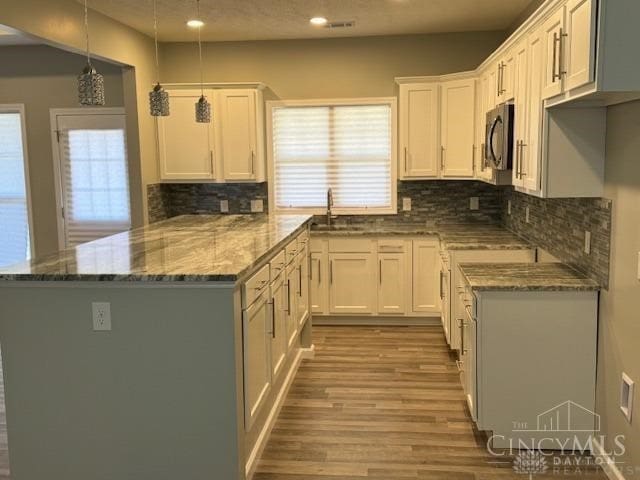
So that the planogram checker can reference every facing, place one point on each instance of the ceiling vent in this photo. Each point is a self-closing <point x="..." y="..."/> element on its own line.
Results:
<point x="349" y="24"/>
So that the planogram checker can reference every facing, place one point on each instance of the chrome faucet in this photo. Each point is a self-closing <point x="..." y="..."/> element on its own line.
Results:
<point x="329" y="207"/>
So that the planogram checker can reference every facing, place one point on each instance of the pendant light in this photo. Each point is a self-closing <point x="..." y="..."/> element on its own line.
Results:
<point x="158" y="97"/>
<point x="90" y="82"/>
<point x="203" y="107"/>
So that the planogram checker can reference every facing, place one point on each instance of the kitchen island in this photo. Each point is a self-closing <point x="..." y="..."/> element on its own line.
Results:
<point x="159" y="353"/>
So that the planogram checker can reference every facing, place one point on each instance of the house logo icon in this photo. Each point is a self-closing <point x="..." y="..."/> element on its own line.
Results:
<point x="568" y="417"/>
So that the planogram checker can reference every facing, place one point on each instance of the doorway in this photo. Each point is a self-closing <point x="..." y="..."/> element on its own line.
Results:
<point x="92" y="181"/>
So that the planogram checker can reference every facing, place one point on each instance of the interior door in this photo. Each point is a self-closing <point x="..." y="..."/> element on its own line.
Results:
<point x="185" y="147"/>
<point x="93" y="180"/>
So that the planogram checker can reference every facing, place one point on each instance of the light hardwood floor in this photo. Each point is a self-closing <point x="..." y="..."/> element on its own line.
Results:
<point x="382" y="403"/>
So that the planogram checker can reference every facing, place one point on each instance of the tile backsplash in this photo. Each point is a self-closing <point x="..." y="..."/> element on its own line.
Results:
<point x="167" y="200"/>
<point x="558" y="225"/>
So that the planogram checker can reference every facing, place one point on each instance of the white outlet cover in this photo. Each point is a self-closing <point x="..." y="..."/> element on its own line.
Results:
<point x="101" y="314"/>
<point x="224" y="206"/>
<point x="587" y="242"/>
<point x="406" y="204"/>
<point x="626" y="396"/>
<point x="526" y="215"/>
<point x="474" y="203"/>
<point x="508" y="207"/>
<point x="257" y="206"/>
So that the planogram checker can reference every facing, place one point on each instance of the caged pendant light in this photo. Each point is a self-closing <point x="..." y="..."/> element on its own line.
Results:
<point x="158" y="97"/>
<point x="90" y="82"/>
<point x="203" y="107"/>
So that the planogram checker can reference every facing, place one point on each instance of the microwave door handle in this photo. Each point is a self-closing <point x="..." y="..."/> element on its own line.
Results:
<point x="490" y="142"/>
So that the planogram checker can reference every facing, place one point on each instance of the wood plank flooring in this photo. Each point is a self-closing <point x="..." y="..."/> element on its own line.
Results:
<point x="382" y="403"/>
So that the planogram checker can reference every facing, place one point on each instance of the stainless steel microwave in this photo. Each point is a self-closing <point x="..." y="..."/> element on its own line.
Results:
<point x="498" y="151"/>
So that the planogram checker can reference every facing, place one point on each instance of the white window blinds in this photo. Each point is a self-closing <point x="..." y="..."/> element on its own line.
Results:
<point x="14" y="215"/>
<point x="95" y="179"/>
<point x="347" y="148"/>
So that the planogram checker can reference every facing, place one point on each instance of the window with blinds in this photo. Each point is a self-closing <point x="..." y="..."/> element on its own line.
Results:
<point x="14" y="206"/>
<point x="346" y="147"/>
<point x="94" y="178"/>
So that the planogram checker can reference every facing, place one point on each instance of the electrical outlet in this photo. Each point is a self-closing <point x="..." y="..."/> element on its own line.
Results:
<point x="626" y="396"/>
<point x="526" y="215"/>
<point x="587" y="242"/>
<point x="474" y="203"/>
<point x="406" y="204"/>
<point x="101" y="316"/>
<point x="224" y="206"/>
<point x="257" y="206"/>
<point x="508" y="207"/>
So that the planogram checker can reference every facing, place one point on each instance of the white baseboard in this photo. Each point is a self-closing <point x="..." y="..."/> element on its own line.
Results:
<point x="375" y="321"/>
<point x="261" y="442"/>
<point x="608" y="464"/>
<point x="308" y="353"/>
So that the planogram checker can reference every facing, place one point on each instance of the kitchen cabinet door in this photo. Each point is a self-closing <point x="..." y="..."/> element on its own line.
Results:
<point x="426" y="273"/>
<point x="419" y="119"/>
<point x="185" y="147"/>
<point x="256" y="325"/>
<point x="483" y="171"/>
<point x="531" y="150"/>
<point x="553" y="31"/>
<point x="580" y="43"/>
<point x="506" y="77"/>
<point x="278" y="326"/>
<point x="352" y="287"/>
<point x="392" y="277"/>
<point x="520" y="111"/>
<point x="303" y="286"/>
<point x="458" y="110"/>
<point x="319" y="285"/>
<point x="291" y="309"/>
<point x="239" y="135"/>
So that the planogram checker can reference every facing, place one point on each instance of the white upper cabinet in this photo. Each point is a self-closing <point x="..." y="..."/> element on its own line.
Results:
<point x="241" y="151"/>
<point x="185" y="147"/>
<point x="580" y="43"/>
<point x="554" y="32"/>
<point x="531" y="148"/>
<point x="457" y="124"/>
<point x="419" y="122"/>
<point x="505" y="77"/>
<point x="521" y="112"/>
<point x="228" y="149"/>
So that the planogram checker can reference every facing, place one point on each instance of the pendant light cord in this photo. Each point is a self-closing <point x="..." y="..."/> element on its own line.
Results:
<point x="86" y="30"/>
<point x="155" y="36"/>
<point x="200" y="50"/>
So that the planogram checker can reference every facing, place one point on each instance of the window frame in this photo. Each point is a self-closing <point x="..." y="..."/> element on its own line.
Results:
<point x="332" y="102"/>
<point x="20" y="109"/>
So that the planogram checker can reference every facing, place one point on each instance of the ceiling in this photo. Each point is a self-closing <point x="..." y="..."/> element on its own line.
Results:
<point x="9" y="36"/>
<point x="288" y="19"/>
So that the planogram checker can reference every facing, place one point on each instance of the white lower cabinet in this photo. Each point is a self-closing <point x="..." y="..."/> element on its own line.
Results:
<point x="392" y="271"/>
<point x="302" y="302"/>
<point x="352" y="283"/>
<point x="425" y="280"/>
<point x="319" y="285"/>
<point x="291" y="308"/>
<point x="278" y="325"/>
<point x="256" y="329"/>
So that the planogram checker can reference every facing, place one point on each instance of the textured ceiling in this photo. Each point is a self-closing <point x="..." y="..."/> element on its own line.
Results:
<point x="282" y="19"/>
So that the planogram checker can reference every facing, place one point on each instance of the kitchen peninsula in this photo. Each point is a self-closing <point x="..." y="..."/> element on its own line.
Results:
<point x="169" y="346"/>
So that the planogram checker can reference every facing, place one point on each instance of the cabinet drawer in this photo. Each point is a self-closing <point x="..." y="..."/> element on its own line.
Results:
<point x="291" y="250"/>
<point x="391" y="246"/>
<point x="277" y="264"/>
<point x="255" y="285"/>
<point x="350" y="245"/>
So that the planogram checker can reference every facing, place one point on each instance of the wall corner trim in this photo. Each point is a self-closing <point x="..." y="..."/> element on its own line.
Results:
<point x="608" y="464"/>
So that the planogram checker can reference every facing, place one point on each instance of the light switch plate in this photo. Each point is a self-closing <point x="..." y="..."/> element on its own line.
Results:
<point x="224" y="206"/>
<point x="587" y="242"/>
<point x="257" y="206"/>
<point x="508" y="207"/>
<point x="101" y="313"/>
<point x="526" y="215"/>
<point x="406" y="204"/>
<point x="474" y="203"/>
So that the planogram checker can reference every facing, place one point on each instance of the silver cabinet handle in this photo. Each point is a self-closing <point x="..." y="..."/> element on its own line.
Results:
<point x="473" y="157"/>
<point x="498" y="79"/>
<point x="483" y="160"/>
<point x="561" y="72"/>
<point x="319" y="272"/>
<point x="442" y="162"/>
<point x="330" y="271"/>
<point x="380" y="271"/>
<point x="555" y="76"/>
<point x="300" y="281"/>
<point x="441" y="285"/>
<point x="462" y="324"/>
<point x="406" y="169"/>
<point x="522" y="172"/>
<point x="517" y="166"/>
<point x="273" y="317"/>
<point x="212" y="163"/>
<point x="288" y="297"/>
<point x="253" y="161"/>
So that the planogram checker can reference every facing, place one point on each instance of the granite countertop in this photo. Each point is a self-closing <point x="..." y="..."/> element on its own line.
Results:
<point x="525" y="277"/>
<point x="189" y="248"/>
<point x="455" y="236"/>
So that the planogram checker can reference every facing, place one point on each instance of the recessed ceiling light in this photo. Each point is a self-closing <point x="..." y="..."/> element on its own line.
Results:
<point x="318" y="21"/>
<point x="195" y="23"/>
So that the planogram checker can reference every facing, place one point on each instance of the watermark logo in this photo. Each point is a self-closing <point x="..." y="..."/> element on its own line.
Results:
<point x="566" y="417"/>
<point x="530" y="462"/>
